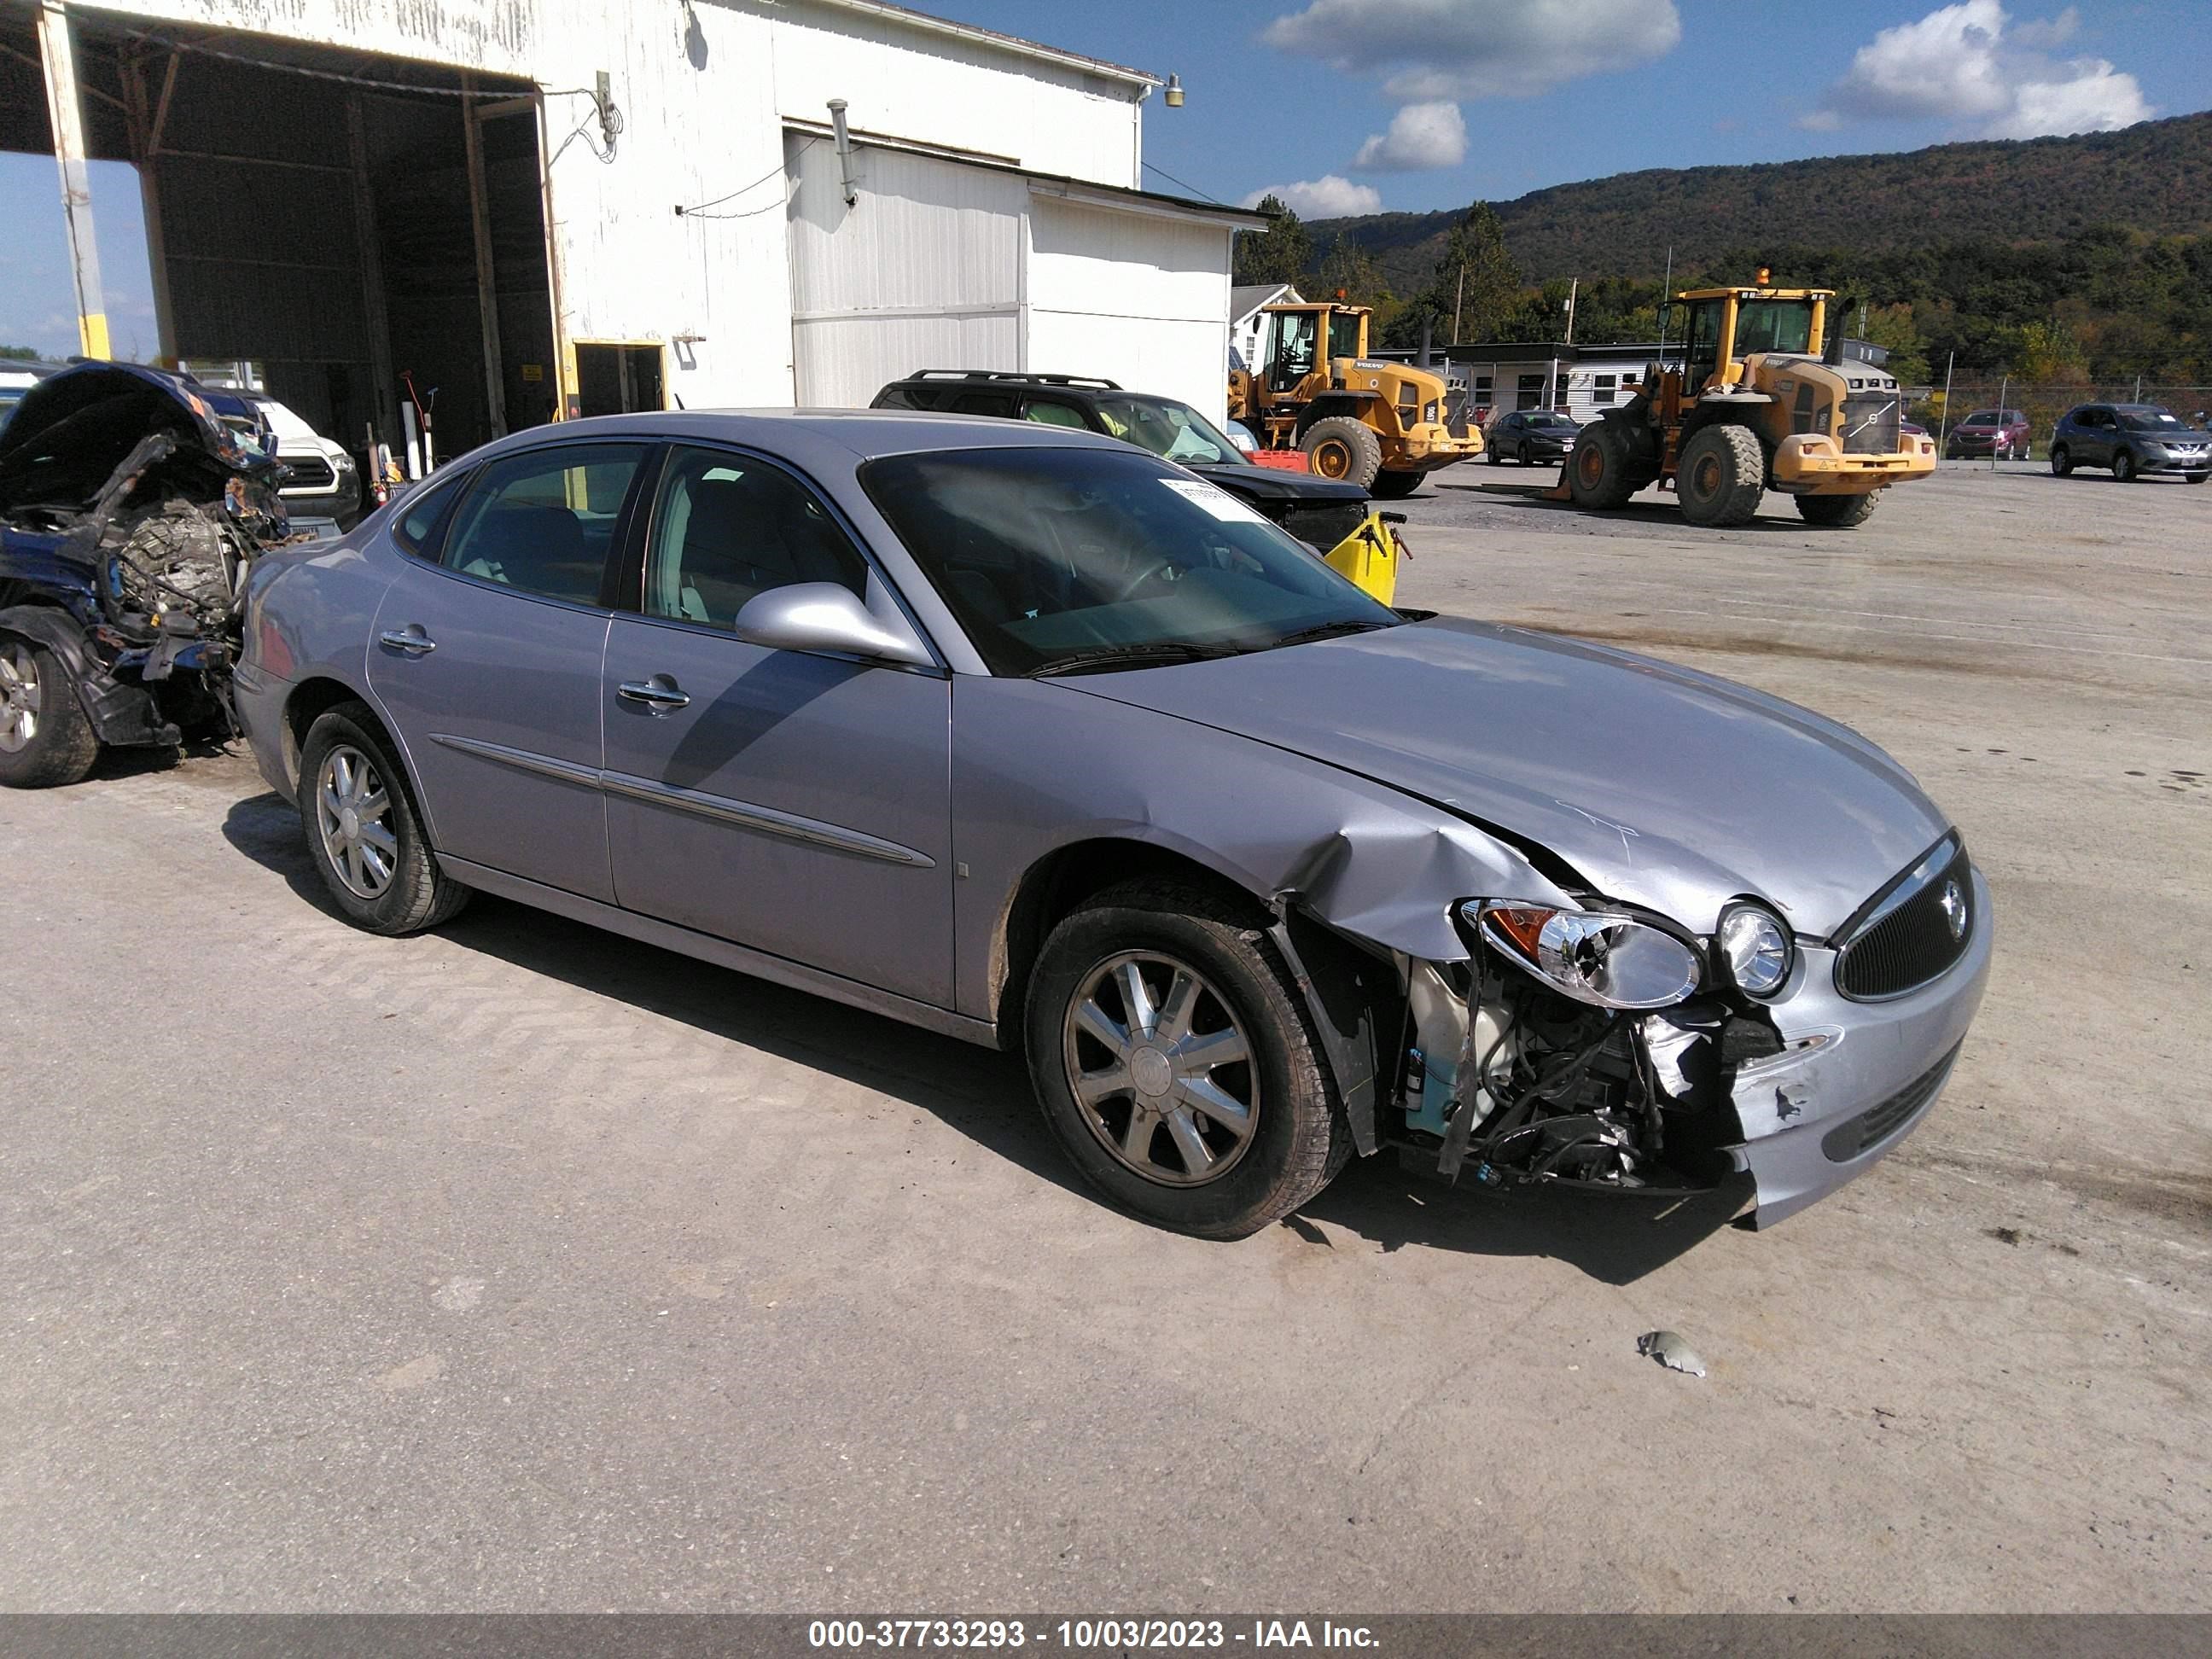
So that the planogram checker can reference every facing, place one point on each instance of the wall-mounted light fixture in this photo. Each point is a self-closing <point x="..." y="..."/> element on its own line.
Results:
<point x="1174" y="92"/>
<point x="844" y="151"/>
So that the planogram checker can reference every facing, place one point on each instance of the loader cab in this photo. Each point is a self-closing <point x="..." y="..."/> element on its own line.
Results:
<point x="1297" y="341"/>
<point x="1721" y="325"/>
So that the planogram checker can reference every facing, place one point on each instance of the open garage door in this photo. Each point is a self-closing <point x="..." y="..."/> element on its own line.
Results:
<point x="367" y="231"/>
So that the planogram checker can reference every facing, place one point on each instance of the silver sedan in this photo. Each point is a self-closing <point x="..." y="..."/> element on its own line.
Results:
<point x="1026" y="736"/>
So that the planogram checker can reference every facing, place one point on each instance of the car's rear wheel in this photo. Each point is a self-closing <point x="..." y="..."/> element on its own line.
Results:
<point x="2124" y="465"/>
<point x="45" y="738"/>
<point x="364" y="831"/>
<point x="1722" y="476"/>
<point x="2061" y="462"/>
<point x="1175" y="1064"/>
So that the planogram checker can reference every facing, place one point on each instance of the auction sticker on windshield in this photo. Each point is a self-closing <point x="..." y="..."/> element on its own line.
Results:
<point x="1219" y="502"/>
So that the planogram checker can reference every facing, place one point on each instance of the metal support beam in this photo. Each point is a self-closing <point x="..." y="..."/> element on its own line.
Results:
<point x="487" y="283"/>
<point x="384" y="390"/>
<point x="144" y="143"/>
<point x="65" y="111"/>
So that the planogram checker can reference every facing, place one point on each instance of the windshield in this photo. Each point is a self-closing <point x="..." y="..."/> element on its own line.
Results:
<point x="1167" y="427"/>
<point x="2149" y="420"/>
<point x="1773" y="325"/>
<point x="1062" y="559"/>
<point x="1984" y="418"/>
<point x="1546" y="420"/>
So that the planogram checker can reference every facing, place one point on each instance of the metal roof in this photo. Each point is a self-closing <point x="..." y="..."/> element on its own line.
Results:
<point x="1012" y="43"/>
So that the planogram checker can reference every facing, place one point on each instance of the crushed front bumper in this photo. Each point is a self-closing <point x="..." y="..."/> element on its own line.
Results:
<point x="1854" y="1077"/>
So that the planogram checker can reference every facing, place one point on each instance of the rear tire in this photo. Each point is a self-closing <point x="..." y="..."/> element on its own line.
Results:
<point x="1396" y="486"/>
<point x="363" y="832"/>
<point x="45" y="741"/>
<point x="1342" y="448"/>
<point x="1292" y="1139"/>
<point x="1837" y="512"/>
<point x="1721" y="478"/>
<point x="2124" y="466"/>
<point x="1597" y="468"/>
<point x="2061" y="462"/>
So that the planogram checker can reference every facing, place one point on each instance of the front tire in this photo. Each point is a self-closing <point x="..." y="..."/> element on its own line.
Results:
<point x="1597" y="468"/>
<point x="1837" y="512"/>
<point x="363" y="832"/>
<point x="1343" y="448"/>
<point x="2061" y="462"/>
<point x="1722" y="476"/>
<point x="45" y="741"/>
<point x="1396" y="486"/>
<point x="2124" y="466"/>
<point x="1174" y="1061"/>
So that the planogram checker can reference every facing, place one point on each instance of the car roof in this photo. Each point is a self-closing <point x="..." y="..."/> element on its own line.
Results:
<point x="824" y="437"/>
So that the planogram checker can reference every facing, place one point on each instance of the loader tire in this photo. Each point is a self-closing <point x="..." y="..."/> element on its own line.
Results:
<point x="1837" y="512"/>
<point x="1396" y="486"/>
<point x="1721" y="478"/>
<point x="1342" y="448"/>
<point x="1597" y="468"/>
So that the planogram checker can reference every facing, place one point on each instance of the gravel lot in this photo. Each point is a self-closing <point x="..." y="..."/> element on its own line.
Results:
<point x="521" y="1267"/>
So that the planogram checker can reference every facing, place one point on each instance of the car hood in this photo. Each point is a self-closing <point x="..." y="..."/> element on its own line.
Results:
<point x="1660" y="785"/>
<point x="1269" y="484"/>
<point x="73" y="429"/>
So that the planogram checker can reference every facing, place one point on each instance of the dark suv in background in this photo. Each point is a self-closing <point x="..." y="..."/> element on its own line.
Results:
<point x="1319" y="512"/>
<point x="2129" y="438"/>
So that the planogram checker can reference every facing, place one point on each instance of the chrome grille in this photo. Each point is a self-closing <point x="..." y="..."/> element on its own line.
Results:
<point x="1854" y="1136"/>
<point x="1915" y="929"/>
<point x="1871" y="422"/>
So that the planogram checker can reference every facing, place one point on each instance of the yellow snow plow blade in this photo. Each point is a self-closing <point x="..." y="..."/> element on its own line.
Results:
<point x="1369" y="554"/>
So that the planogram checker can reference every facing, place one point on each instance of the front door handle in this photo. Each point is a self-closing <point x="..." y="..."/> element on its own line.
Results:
<point x="410" y="639"/>
<point x="659" y="694"/>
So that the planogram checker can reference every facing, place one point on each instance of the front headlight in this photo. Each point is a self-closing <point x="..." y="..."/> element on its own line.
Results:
<point x="1597" y="956"/>
<point x="1757" y="949"/>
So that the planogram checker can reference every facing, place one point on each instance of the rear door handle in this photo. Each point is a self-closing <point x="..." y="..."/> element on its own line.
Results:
<point x="410" y="639"/>
<point x="657" y="694"/>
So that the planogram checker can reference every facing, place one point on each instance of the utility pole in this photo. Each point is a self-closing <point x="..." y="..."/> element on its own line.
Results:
<point x="1666" y="284"/>
<point x="1573" y="284"/>
<point x="2004" y="395"/>
<point x="66" y="110"/>
<point x="1459" y="299"/>
<point x="1944" y="425"/>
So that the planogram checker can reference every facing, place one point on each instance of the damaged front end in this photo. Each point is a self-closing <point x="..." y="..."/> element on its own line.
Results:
<point x="133" y="504"/>
<point x="1610" y="1050"/>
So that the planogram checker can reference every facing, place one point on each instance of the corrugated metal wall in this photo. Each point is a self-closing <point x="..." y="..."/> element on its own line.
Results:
<point x="923" y="272"/>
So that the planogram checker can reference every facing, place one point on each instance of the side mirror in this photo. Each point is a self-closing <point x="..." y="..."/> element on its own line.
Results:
<point x="824" y="617"/>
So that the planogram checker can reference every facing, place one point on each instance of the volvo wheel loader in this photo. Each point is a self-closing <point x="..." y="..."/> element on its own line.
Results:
<point x="1763" y="399"/>
<point x="1381" y="426"/>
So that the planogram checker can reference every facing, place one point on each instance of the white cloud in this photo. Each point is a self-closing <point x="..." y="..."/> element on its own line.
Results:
<point x="1329" y="197"/>
<point x="1969" y="63"/>
<point x="1441" y="49"/>
<point x="1420" y="135"/>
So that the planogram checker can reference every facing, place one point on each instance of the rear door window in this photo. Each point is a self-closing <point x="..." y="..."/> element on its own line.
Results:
<point x="544" y="521"/>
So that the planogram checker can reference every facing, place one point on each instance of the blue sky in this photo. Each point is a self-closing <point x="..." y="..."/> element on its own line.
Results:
<point x="1351" y="105"/>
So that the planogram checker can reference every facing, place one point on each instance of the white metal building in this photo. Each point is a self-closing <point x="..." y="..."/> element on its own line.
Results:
<point x="566" y="205"/>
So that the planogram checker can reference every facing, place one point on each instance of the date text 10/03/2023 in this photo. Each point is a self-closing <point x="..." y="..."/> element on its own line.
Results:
<point x="1120" y="1635"/>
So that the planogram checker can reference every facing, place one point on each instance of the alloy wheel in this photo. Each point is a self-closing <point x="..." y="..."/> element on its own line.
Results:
<point x="20" y="696"/>
<point x="353" y="810"/>
<point x="1162" y="1072"/>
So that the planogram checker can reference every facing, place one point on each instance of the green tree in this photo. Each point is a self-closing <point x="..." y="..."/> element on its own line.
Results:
<point x="1474" y="290"/>
<point x="1892" y="327"/>
<point x="1279" y="253"/>
<point x="20" y="354"/>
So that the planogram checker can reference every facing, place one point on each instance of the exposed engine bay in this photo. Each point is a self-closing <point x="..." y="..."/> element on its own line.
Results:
<point x="1505" y="1080"/>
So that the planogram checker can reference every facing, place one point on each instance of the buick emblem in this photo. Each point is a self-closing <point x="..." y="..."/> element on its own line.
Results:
<point x="1954" y="908"/>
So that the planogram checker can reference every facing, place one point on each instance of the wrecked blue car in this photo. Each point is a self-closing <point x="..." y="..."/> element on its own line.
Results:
<point x="133" y="501"/>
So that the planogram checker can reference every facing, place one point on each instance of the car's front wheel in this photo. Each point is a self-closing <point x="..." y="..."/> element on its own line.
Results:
<point x="1174" y="1063"/>
<point x="2061" y="463"/>
<point x="364" y="831"/>
<point x="45" y="738"/>
<point x="2124" y="465"/>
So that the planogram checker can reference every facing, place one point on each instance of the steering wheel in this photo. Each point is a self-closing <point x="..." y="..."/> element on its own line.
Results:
<point x="1157" y="568"/>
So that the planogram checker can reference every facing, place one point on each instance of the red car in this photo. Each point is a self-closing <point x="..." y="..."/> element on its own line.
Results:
<point x="1989" y="431"/>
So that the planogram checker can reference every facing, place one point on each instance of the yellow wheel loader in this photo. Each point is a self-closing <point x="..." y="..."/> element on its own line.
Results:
<point x="1381" y="426"/>
<point x="1763" y="399"/>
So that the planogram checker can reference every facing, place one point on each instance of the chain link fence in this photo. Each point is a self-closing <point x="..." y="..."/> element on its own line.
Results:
<point x="2044" y="402"/>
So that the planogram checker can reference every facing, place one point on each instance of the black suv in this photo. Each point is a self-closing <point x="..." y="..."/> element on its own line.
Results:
<point x="2129" y="438"/>
<point x="1319" y="512"/>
